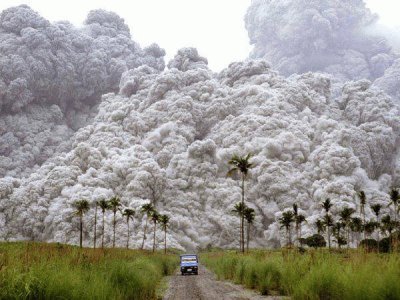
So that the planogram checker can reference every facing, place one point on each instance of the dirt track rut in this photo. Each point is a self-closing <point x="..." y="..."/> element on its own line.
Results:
<point x="205" y="287"/>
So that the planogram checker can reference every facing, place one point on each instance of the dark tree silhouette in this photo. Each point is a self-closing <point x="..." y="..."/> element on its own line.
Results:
<point x="239" y="209"/>
<point x="146" y="209"/>
<point x="286" y="222"/>
<point x="155" y="217"/>
<point x="129" y="214"/>
<point x="104" y="205"/>
<point x="96" y="204"/>
<point x="114" y="204"/>
<point x="327" y="219"/>
<point x="241" y="164"/>
<point x="81" y="207"/>
<point x="376" y="208"/>
<point x="345" y="217"/>
<point x="164" y="221"/>
<point x="363" y="201"/>
<point x="249" y="215"/>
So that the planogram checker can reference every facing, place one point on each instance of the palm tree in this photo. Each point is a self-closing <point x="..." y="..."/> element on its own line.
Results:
<point x="295" y="214"/>
<point x="164" y="221"/>
<point x="395" y="201"/>
<point x="239" y="209"/>
<point x="129" y="214"/>
<point x="345" y="217"/>
<point x="363" y="201"/>
<point x="299" y="219"/>
<point x="388" y="226"/>
<point x="95" y="224"/>
<point x="249" y="215"/>
<point x="337" y="227"/>
<point x="155" y="217"/>
<point x="147" y="209"/>
<point x="370" y="227"/>
<point x="356" y="226"/>
<point x="81" y="206"/>
<point x="376" y="208"/>
<point x="241" y="164"/>
<point x="286" y="222"/>
<point x="320" y="225"/>
<point x="104" y="205"/>
<point x="327" y="205"/>
<point x="328" y="222"/>
<point x="114" y="204"/>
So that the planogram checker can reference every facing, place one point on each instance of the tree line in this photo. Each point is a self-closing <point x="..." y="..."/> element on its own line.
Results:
<point x="347" y="227"/>
<point x="114" y="205"/>
<point x="343" y="227"/>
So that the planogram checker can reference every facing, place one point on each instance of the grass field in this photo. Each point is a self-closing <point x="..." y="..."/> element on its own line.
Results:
<point x="53" y="271"/>
<point x="313" y="275"/>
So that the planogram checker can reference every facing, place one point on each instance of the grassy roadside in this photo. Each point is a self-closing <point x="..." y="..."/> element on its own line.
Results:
<point x="314" y="275"/>
<point x="53" y="271"/>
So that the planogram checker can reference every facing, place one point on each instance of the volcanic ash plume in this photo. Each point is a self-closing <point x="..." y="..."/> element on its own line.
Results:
<point x="167" y="137"/>
<point x="327" y="36"/>
<point x="52" y="76"/>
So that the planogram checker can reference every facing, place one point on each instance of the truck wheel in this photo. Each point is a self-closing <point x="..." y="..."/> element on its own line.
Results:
<point x="183" y="274"/>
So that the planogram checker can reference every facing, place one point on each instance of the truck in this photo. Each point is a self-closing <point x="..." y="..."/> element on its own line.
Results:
<point x="189" y="264"/>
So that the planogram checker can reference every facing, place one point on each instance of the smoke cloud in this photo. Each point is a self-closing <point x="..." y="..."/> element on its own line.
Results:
<point x="334" y="37"/>
<point x="166" y="137"/>
<point x="52" y="76"/>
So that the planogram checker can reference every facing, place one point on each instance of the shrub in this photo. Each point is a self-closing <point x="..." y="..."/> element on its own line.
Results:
<point x="315" y="241"/>
<point x="369" y="245"/>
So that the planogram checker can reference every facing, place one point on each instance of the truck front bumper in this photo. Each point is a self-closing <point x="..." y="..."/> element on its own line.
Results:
<point x="189" y="270"/>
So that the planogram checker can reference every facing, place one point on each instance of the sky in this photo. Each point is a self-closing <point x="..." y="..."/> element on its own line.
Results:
<point x="215" y="27"/>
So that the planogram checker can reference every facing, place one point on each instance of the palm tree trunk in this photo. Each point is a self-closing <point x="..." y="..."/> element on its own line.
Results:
<point x="80" y="230"/>
<point x="242" y="217"/>
<point x="154" y="237"/>
<point x="248" y="236"/>
<point x="127" y="240"/>
<point x="240" y="239"/>
<point x="95" y="228"/>
<point x="300" y="241"/>
<point x="144" y="233"/>
<point x="328" y="237"/>
<point x="363" y="216"/>
<point x="165" y="241"/>
<point x="114" y="223"/>
<point x="102" y="235"/>
<point x="348" y="238"/>
<point x="378" y="237"/>
<point x="287" y="237"/>
<point x="290" y="237"/>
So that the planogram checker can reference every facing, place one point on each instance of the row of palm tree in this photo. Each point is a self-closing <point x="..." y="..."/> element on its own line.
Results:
<point x="114" y="204"/>
<point x="345" y="223"/>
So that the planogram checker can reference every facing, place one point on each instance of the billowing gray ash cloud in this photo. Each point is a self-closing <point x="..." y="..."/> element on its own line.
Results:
<point x="331" y="36"/>
<point x="52" y="75"/>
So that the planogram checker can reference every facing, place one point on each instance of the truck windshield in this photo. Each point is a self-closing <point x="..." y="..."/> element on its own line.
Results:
<point x="189" y="259"/>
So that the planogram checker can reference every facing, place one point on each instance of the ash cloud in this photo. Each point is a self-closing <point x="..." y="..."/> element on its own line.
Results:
<point x="335" y="37"/>
<point x="52" y="76"/>
<point x="166" y="137"/>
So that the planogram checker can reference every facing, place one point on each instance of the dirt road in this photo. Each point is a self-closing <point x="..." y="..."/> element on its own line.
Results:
<point x="205" y="287"/>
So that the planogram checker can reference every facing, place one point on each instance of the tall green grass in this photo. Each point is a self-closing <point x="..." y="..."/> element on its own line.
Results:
<point x="44" y="271"/>
<point x="314" y="275"/>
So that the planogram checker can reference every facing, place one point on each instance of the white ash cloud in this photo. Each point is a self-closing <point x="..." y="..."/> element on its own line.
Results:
<point x="336" y="37"/>
<point x="52" y="76"/>
<point x="166" y="137"/>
